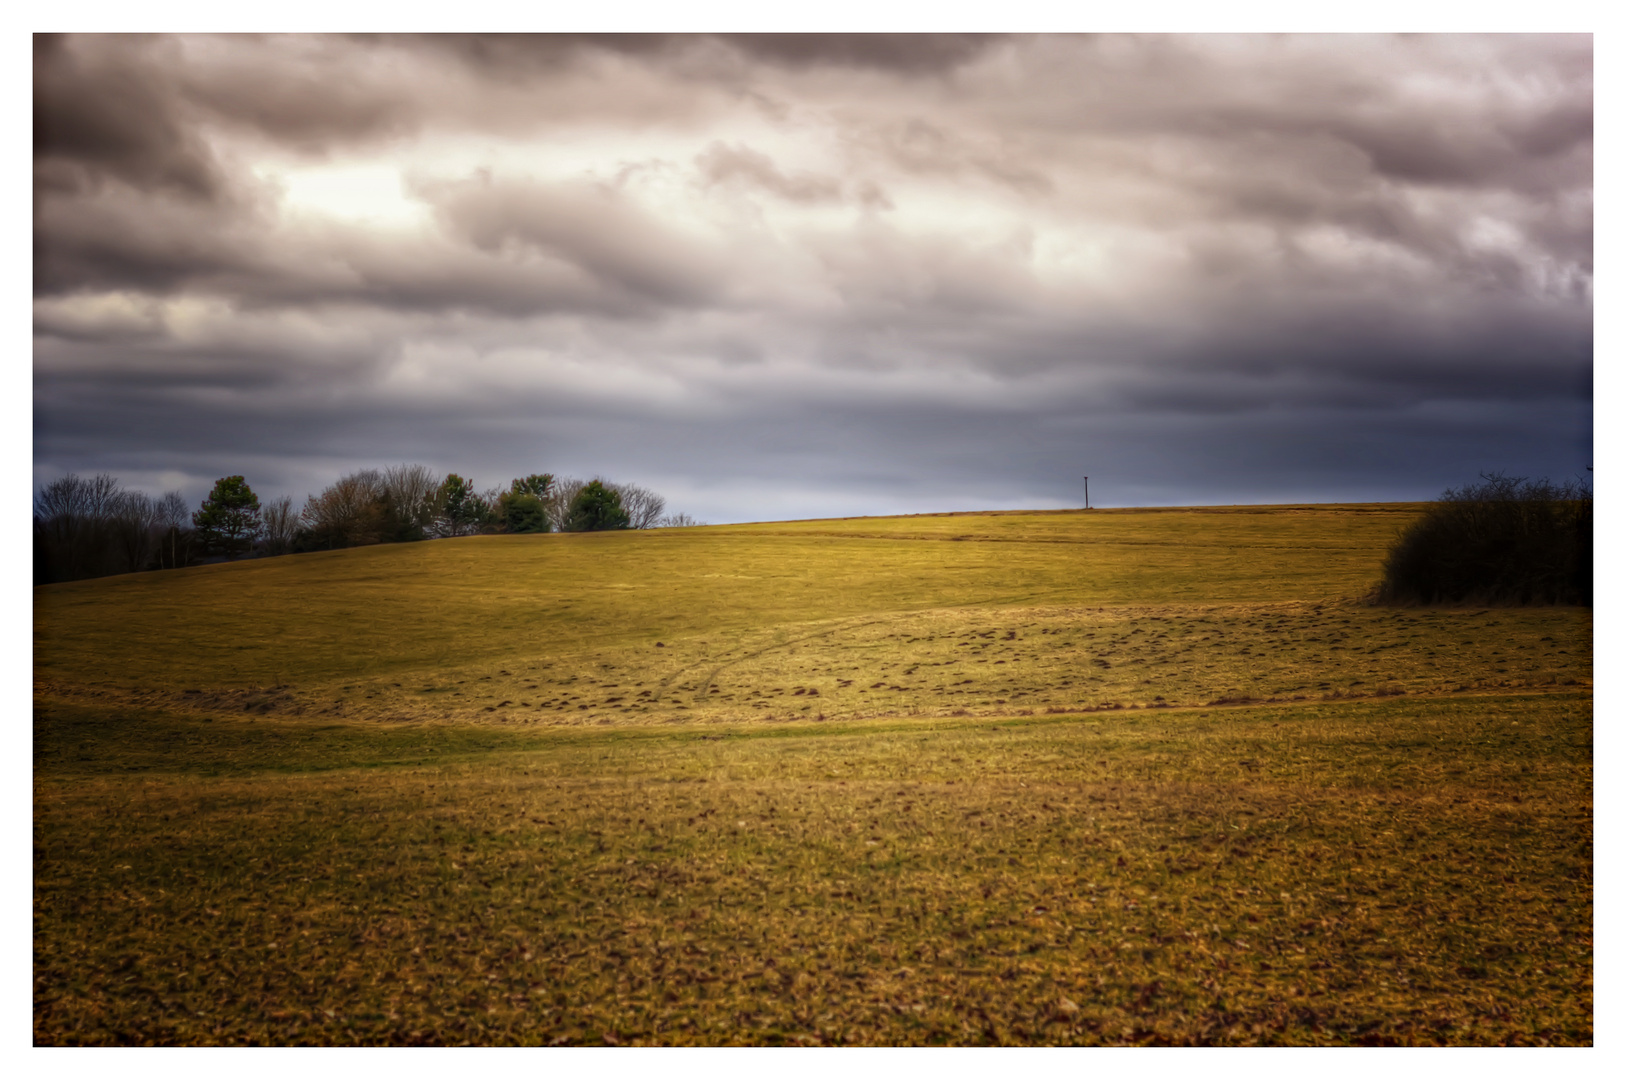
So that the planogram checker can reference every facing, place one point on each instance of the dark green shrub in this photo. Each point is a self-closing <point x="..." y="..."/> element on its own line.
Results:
<point x="1502" y="541"/>
<point x="521" y="512"/>
<point x="596" y="506"/>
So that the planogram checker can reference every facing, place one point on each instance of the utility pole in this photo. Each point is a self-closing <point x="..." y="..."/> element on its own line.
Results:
<point x="1086" y="493"/>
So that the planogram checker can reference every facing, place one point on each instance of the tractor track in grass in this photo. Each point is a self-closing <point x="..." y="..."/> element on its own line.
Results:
<point x="1053" y="713"/>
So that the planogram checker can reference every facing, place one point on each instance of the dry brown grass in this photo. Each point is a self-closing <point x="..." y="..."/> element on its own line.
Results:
<point x="954" y="779"/>
<point x="1395" y="872"/>
<point x="976" y="661"/>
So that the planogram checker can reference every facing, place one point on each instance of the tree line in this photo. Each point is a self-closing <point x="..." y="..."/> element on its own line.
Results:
<point x="88" y="527"/>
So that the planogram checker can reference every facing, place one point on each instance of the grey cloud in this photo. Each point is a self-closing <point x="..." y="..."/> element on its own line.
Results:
<point x="125" y="239"/>
<point x="530" y="54"/>
<point x="935" y="267"/>
<point x="878" y="456"/>
<point x="921" y="147"/>
<point x="514" y="248"/>
<point x="592" y="226"/>
<point x="1501" y="112"/>
<point x="102" y="110"/>
<point x="911" y="54"/>
<point x="721" y="163"/>
<point x="523" y="53"/>
<point x="310" y="95"/>
<point x="139" y="109"/>
<point x="319" y="93"/>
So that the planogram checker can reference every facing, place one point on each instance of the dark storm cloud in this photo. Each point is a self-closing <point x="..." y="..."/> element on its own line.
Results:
<point x="129" y="107"/>
<point x="512" y="248"/>
<point x="518" y="54"/>
<point x="946" y="267"/>
<point x="110" y="116"/>
<point x="908" y="54"/>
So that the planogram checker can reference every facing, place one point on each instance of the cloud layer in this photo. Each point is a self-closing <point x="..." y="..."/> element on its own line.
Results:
<point x="803" y="275"/>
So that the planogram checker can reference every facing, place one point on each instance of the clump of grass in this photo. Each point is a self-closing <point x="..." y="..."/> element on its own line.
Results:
<point x="1505" y="540"/>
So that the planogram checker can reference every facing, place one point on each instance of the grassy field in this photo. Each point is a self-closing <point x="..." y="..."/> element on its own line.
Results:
<point x="1124" y="776"/>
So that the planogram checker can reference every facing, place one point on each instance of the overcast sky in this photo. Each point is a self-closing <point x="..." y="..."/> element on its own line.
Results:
<point x="802" y="277"/>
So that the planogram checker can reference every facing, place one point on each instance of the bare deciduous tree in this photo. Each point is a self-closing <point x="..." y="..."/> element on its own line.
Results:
<point x="490" y="497"/>
<point x="411" y="493"/>
<point x="560" y="496"/>
<point x="346" y="513"/>
<point x="74" y="496"/>
<point x="90" y="527"/>
<point x="644" y="508"/>
<point x="73" y="529"/>
<point x="132" y="518"/>
<point x="173" y="515"/>
<point x="279" y="523"/>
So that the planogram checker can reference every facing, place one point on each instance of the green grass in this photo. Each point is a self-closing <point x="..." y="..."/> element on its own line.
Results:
<point x="245" y="831"/>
